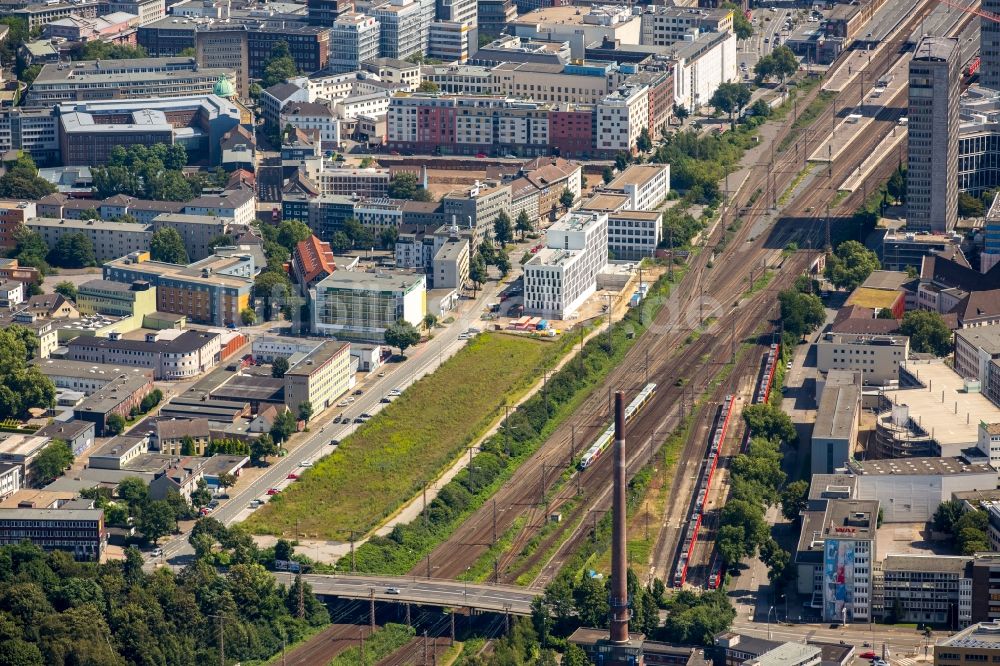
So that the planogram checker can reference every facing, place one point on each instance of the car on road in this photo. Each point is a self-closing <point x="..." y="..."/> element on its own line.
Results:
<point x="392" y="590"/>
<point x="334" y="442"/>
<point x="358" y="419"/>
<point x="366" y="416"/>
<point x="204" y="511"/>
<point x="156" y="552"/>
<point x="396" y="392"/>
<point x="386" y="399"/>
<point x="273" y="491"/>
<point x="342" y="403"/>
<point x="358" y="392"/>
<point x="788" y="366"/>
<point x="382" y="374"/>
<point x="868" y="655"/>
<point x="254" y="503"/>
<point x="293" y="476"/>
<point x="308" y="463"/>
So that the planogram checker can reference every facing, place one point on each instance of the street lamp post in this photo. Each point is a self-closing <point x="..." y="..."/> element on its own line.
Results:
<point x="769" y="610"/>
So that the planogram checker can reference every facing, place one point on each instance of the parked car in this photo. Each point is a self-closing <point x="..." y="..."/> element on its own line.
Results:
<point x="358" y="392"/>
<point x="868" y="655"/>
<point x="273" y="491"/>
<point x="293" y="476"/>
<point x="358" y="419"/>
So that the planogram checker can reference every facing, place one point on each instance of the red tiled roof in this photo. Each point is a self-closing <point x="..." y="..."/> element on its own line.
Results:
<point x="314" y="258"/>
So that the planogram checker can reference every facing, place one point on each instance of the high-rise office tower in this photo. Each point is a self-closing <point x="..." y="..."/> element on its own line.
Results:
<point x="989" y="47"/>
<point x="932" y="142"/>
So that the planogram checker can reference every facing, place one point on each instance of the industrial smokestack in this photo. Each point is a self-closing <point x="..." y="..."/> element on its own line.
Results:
<point x="619" y="577"/>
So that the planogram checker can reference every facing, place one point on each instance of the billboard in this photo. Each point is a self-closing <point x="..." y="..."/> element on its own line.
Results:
<point x="838" y="579"/>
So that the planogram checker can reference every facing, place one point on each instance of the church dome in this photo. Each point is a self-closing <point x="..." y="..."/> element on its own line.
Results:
<point x="224" y="87"/>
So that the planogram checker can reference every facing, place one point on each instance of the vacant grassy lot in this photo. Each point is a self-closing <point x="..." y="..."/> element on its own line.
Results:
<point x="389" y="459"/>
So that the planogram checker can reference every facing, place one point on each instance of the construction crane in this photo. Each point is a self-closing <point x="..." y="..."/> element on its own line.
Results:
<point x="982" y="13"/>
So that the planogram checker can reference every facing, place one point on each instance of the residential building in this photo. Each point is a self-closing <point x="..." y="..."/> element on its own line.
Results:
<point x="313" y="118"/>
<point x="346" y="181"/>
<point x="360" y="306"/>
<point x="524" y="197"/>
<point x="443" y="256"/>
<point x="620" y="119"/>
<point x="118" y="396"/>
<point x="238" y="206"/>
<point x="116" y="298"/>
<point x="911" y="489"/>
<point x="173" y="435"/>
<point x="11" y="270"/>
<point x="975" y="644"/>
<point x="450" y="264"/>
<point x="325" y="12"/>
<point x="849" y="556"/>
<point x="320" y="377"/>
<point x="51" y="306"/>
<point x="13" y="215"/>
<point x="452" y="41"/>
<point x="110" y="239"/>
<point x="664" y="26"/>
<point x="88" y="131"/>
<point x="11" y="293"/>
<point x="78" y="434"/>
<point x="354" y="38"/>
<point x="10" y="479"/>
<point x="634" y="234"/>
<point x="932" y="138"/>
<point x="181" y="478"/>
<point x="560" y="277"/>
<point x="401" y="23"/>
<point x="138" y="78"/>
<point x="312" y="262"/>
<point x="701" y="66"/>
<point x="477" y="208"/>
<point x="394" y="70"/>
<point x="197" y="231"/>
<point x="273" y="99"/>
<point x="184" y="355"/>
<point x="951" y="287"/>
<point x="551" y="176"/>
<point x="837" y="421"/>
<point x="877" y="357"/>
<point x="77" y="531"/>
<point x="212" y="291"/>
<point x="645" y="185"/>
<point x="924" y="589"/>
<point x="34" y="131"/>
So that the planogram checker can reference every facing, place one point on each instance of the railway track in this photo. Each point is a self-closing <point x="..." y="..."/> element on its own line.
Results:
<point x="326" y="645"/>
<point x="420" y="651"/>
<point x="699" y="296"/>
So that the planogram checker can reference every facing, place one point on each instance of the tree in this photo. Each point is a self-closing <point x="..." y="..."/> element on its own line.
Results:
<point x="681" y="113"/>
<point x="279" y="366"/>
<point x="222" y="240"/>
<point x="227" y="481"/>
<point x="115" y="424"/>
<point x="22" y="182"/>
<point x="794" y="499"/>
<point x="291" y="232"/>
<point x="403" y="185"/>
<point x="477" y="271"/>
<point x="503" y="231"/>
<point x="502" y="261"/>
<point x="387" y="237"/>
<point x="741" y="25"/>
<point x="929" y="334"/>
<point x="575" y="656"/>
<point x="305" y="411"/>
<point x="272" y="286"/>
<point x="168" y="246"/>
<point x="157" y="520"/>
<point x="30" y="249"/>
<point x="402" y="334"/>
<point x="970" y="206"/>
<point x="644" y="143"/>
<point x="731" y="543"/>
<point x="896" y="187"/>
<point x="187" y="446"/>
<point x="262" y="447"/>
<point x="947" y="516"/>
<point x="428" y="87"/>
<point x="607" y="174"/>
<point x="781" y="62"/>
<point x="770" y="422"/>
<point x="851" y="264"/>
<point x="73" y="251"/>
<point x="801" y="313"/>
<point x="201" y="495"/>
<point x="429" y="321"/>
<point x="99" y="50"/>
<point x="523" y="223"/>
<point x="53" y="460"/>
<point x="133" y="490"/>
<point x="731" y="98"/>
<point x="67" y="289"/>
<point x="283" y="550"/>
<point x="283" y="428"/>
<point x="567" y="198"/>
<point x="280" y="66"/>
<point x="248" y="316"/>
<point x="764" y="69"/>
<point x="152" y="399"/>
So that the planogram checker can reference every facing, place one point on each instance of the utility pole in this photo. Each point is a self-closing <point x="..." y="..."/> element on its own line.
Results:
<point x="452" y="627"/>
<point x="425" y="647"/>
<point x="506" y="408"/>
<point x="222" y="637"/>
<point x="496" y="571"/>
<point x="408" y="623"/>
<point x="541" y="488"/>
<point x="425" y="505"/>
<point x="428" y="565"/>
<point x="302" y="598"/>
<point x="647" y="365"/>
<point x="572" y="443"/>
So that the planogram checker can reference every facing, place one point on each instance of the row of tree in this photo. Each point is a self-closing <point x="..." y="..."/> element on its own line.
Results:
<point x="966" y="529"/>
<point x="148" y="172"/>
<point x="57" y="612"/>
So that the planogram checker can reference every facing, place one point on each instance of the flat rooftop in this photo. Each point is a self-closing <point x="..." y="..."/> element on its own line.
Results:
<point x="838" y="411"/>
<point x="869" y="297"/>
<point x="983" y="635"/>
<point x="637" y="174"/>
<point x="312" y="361"/>
<point x="141" y="70"/>
<point x="943" y="563"/>
<point x="892" y="280"/>
<point x="786" y="654"/>
<point x="854" y="518"/>
<point x="102" y="225"/>
<point x="381" y="281"/>
<point x="986" y="338"/>
<point x="953" y="419"/>
<point x="918" y="466"/>
<point x="193" y="273"/>
<point x="605" y="203"/>
<point x="81" y="369"/>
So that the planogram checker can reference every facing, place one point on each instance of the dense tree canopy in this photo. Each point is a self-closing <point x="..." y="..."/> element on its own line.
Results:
<point x="73" y="251"/>
<point x="280" y="66"/>
<point x="22" y="386"/>
<point x="851" y="264"/>
<point x="150" y="172"/>
<point x="929" y="334"/>
<point x="22" y="182"/>
<point x="55" y="611"/>
<point x="731" y="98"/>
<point x="50" y="464"/>
<point x="168" y="246"/>
<point x="800" y="313"/>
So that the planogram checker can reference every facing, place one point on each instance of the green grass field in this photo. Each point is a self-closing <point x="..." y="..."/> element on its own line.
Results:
<point x="389" y="459"/>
